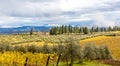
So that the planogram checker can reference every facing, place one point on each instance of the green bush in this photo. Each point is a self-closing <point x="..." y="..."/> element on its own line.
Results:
<point x="31" y="48"/>
<point x="105" y="52"/>
<point x="89" y="51"/>
<point x="20" y="48"/>
<point x="46" y="49"/>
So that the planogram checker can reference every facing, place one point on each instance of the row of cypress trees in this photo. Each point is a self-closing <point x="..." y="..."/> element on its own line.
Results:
<point x="76" y="29"/>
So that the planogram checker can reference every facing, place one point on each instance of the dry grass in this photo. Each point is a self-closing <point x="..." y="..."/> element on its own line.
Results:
<point x="33" y="43"/>
<point x="113" y="42"/>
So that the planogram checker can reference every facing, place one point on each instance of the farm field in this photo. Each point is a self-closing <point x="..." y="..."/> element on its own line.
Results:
<point x="37" y="59"/>
<point x="15" y="57"/>
<point x="113" y="42"/>
<point x="19" y="59"/>
<point x="26" y="38"/>
<point x="59" y="33"/>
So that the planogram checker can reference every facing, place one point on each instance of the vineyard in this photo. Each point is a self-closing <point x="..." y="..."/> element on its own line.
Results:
<point x="18" y="59"/>
<point x="18" y="39"/>
<point x="42" y="50"/>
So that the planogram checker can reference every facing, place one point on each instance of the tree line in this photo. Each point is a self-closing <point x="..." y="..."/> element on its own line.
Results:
<point x="77" y="29"/>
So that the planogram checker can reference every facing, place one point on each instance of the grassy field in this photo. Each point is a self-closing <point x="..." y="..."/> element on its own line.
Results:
<point x="86" y="63"/>
<point x="113" y="42"/>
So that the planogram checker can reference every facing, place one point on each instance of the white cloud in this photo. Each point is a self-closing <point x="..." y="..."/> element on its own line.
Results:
<point x="105" y="18"/>
<point x="36" y="12"/>
<point x="101" y="20"/>
<point x="70" y="5"/>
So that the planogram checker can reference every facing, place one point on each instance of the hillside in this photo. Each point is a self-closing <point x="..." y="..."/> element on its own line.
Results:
<point x="23" y="29"/>
<point x="113" y="42"/>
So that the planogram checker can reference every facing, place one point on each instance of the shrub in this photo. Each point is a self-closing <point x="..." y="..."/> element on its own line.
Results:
<point x="5" y="47"/>
<point x="39" y="49"/>
<point x="89" y="51"/>
<point x="20" y="48"/>
<point x="46" y="49"/>
<point x="105" y="52"/>
<point x="31" y="48"/>
<point x="92" y="52"/>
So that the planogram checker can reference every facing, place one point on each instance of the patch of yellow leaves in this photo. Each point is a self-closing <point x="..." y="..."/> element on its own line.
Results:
<point x="33" y="43"/>
<point x="18" y="58"/>
<point x="113" y="42"/>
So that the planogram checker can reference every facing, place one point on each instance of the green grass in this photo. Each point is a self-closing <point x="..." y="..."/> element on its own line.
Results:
<point x="86" y="63"/>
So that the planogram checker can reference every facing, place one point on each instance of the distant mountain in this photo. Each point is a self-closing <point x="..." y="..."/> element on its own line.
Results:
<point x="43" y="28"/>
<point x="24" y="29"/>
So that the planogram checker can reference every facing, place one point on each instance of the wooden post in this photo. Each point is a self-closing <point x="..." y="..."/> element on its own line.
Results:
<point x="48" y="60"/>
<point x="58" y="60"/>
<point x="26" y="61"/>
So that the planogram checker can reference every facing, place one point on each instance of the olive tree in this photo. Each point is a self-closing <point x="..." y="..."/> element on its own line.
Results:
<point x="72" y="49"/>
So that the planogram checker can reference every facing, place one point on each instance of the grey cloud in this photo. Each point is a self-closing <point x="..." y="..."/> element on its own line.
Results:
<point x="29" y="9"/>
<point x="49" y="11"/>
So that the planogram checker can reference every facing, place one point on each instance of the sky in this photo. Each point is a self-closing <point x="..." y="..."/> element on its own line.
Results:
<point x="14" y="13"/>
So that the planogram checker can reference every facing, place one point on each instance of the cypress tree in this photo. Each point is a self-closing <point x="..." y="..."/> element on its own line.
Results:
<point x="52" y="31"/>
<point x="31" y="31"/>
<point x="105" y="29"/>
<point x="109" y="28"/>
<point x="66" y="29"/>
<point x="80" y="30"/>
<point x="92" y="30"/>
<point x="56" y="30"/>
<point x="60" y="30"/>
<point x="85" y="30"/>
<point x="77" y="29"/>
<point x="115" y="28"/>
<point x="63" y="29"/>
<point x="70" y="28"/>
<point x="97" y="29"/>
<point x="101" y="29"/>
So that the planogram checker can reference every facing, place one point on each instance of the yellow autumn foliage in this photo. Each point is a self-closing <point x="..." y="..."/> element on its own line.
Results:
<point x="18" y="58"/>
<point x="113" y="42"/>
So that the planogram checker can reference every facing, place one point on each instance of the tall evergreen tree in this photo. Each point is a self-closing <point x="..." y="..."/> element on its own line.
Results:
<point x="60" y="30"/>
<point x="97" y="29"/>
<point x="77" y="29"/>
<point x="115" y="28"/>
<point x="101" y="29"/>
<point x="70" y="29"/>
<point x="105" y="29"/>
<point x="93" y="29"/>
<point x="63" y="29"/>
<point x="109" y="28"/>
<point x="85" y="30"/>
<point x="31" y="31"/>
<point x="80" y="30"/>
<point x="51" y="31"/>
<point x="56" y="30"/>
<point x="66" y="29"/>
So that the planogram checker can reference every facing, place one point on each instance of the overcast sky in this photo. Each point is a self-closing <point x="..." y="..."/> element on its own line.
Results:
<point x="38" y="12"/>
